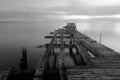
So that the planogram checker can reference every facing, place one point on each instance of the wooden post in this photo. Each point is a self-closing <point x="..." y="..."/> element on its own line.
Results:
<point x="23" y="61"/>
<point x="100" y="38"/>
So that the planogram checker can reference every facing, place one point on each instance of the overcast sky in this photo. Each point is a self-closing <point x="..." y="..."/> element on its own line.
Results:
<point x="64" y="8"/>
<point x="59" y="10"/>
<point x="42" y="10"/>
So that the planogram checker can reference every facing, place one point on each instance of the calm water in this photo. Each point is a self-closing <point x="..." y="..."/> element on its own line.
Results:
<point x="13" y="36"/>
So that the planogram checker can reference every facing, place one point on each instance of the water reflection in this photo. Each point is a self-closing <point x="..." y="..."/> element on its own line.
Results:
<point x="110" y="32"/>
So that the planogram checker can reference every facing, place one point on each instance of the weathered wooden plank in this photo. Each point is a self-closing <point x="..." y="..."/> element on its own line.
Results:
<point x="59" y="33"/>
<point x="5" y="74"/>
<point x="57" y="37"/>
<point x="111" y="58"/>
<point x="95" y="48"/>
<point x="86" y="56"/>
<point x="39" y="70"/>
<point x="93" y="71"/>
<point x="92" y="50"/>
<point x="42" y="65"/>
<point x="65" y="45"/>
<point x="100" y="49"/>
<point x="51" y="46"/>
<point x="93" y="74"/>
<point x="82" y="37"/>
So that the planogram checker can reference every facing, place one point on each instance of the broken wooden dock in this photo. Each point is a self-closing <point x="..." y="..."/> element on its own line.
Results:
<point x="5" y="74"/>
<point x="72" y="55"/>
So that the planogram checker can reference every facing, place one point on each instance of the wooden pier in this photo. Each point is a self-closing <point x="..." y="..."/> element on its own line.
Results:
<point x="72" y="55"/>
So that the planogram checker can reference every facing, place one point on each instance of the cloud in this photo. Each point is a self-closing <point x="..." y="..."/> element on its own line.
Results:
<point x="75" y="17"/>
<point x="71" y="7"/>
<point x="56" y="3"/>
<point x="68" y="10"/>
<point x="94" y="7"/>
<point x="99" y="3"/>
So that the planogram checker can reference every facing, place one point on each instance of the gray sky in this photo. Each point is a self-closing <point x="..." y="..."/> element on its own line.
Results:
<point x="88" y="7"/>
<point x="42" y="10"/>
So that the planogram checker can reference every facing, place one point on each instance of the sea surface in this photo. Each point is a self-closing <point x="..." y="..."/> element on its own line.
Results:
<point x="15" y="35"/>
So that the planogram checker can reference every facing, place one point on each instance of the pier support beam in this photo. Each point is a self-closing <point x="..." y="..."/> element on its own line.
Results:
<point x="23" y="61"/>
